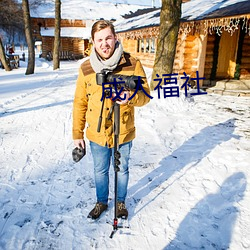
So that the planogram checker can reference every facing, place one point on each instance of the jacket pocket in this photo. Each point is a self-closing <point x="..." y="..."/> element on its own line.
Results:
<point x="127" y="120"/>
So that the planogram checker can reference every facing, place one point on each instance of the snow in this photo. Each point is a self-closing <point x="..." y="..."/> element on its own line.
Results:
<point x="145" y="20"/>
<point x="189" y="170"/>
<point x="84" y="33"/>
<point x="196" y="9"/>
<point x="191" y="10"/>
<point x="156" y="3"/>
<point x="86" y="10"/>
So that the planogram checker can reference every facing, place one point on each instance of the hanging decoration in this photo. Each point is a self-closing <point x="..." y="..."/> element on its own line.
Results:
<point x="149" y="32"/>
<point x="218" y="25"/>
<point x="246" y="25"/>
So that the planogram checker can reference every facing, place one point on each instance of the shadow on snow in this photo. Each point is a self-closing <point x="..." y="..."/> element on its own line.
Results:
<point x="190" y="153"/>
<point x="212" y="219"/>
<point x="23" y="110"/>
<point x="209" y="225"/>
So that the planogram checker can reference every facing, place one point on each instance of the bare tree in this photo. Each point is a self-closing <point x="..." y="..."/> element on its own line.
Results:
<point x="28" y="33"/>
<point x="11" y="16"/>
<point x="56" y="59"/>
<point x="11" y="24"/>
<point x="3" y="57"/>
<point x="36" y="3"/>
<point x="168" y="34"/>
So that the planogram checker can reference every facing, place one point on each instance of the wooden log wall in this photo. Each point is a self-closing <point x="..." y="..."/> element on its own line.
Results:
<point x="245" y="60"/>
<point x="190" y="55"/>
<point x="66" y="44"/>
<point x="50" y="22"/>
<point x="47" y="45"/>
<point x="74" y="45"/>
<point x="131" y="46"/>
<point x="178" y="61"/>
<point x="79" y="46"/>
<point x="209" y="56"/>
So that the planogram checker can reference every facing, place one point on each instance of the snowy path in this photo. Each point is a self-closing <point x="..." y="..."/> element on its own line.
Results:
<point x="189" y="171"/>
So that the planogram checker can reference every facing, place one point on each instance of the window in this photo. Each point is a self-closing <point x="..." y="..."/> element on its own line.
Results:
<point x="146" y="45"/>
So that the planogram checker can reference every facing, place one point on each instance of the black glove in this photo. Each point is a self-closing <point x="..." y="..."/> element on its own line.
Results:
<point x="78" y="153"/>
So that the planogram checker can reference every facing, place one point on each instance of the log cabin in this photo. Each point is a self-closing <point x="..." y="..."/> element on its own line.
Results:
<point x="77" y="19"/>
<point x="74" y="37"/>
<point x="214" y="39"/>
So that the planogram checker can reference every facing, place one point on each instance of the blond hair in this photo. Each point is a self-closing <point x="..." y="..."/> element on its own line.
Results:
<point x="101" y="24"/>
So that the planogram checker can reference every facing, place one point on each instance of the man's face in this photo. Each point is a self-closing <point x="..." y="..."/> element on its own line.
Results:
<point x="104" y="42"/>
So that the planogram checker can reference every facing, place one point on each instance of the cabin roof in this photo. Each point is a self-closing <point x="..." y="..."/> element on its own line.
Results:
<point x="76" y="32"/>
<point x="84" y="10"/>
<point x="193" y="10"/>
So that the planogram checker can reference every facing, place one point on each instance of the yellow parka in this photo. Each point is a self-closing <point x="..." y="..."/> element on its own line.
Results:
<point x="87" y="104"/>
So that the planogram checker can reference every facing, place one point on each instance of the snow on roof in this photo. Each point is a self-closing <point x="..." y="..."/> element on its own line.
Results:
<point x="85" y="10"/>
<point x="80" y="32"/>
<point x="192" y="10"/>
<point x="145" y="20"/>
<point x="197" y="9"/>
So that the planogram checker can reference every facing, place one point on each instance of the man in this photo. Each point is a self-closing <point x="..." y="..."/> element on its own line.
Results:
<point x="107" y="54"/>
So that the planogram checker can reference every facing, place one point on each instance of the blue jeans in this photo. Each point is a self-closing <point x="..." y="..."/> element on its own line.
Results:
<point x="101" y="157"/>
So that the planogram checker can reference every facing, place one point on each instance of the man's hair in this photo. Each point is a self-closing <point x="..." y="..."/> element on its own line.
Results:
<point x="101" y="24"/>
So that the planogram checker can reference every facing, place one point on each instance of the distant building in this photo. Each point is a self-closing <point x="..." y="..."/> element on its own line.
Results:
<point x="74" y="36"/>
<point x="77" y="19"/>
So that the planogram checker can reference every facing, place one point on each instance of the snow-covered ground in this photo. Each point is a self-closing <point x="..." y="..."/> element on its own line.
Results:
<point x="189" y="170"/>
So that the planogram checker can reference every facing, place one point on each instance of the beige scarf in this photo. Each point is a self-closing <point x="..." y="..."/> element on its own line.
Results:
<point x="110" y="64"/>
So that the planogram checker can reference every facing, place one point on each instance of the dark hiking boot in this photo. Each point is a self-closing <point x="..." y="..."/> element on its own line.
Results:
<point x="122" y="211"/>
<point x="97" y="210"/>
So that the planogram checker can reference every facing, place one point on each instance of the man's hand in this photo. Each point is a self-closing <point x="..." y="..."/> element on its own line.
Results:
<point x="124" y="95"/>
<point x="79" y="151"/>
<point x="79" y="143"/>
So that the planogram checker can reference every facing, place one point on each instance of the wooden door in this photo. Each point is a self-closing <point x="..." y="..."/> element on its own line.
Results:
<point x="227" y="55"/>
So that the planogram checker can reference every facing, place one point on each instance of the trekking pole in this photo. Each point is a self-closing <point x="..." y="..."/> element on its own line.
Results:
<point x="117" y="156"/>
